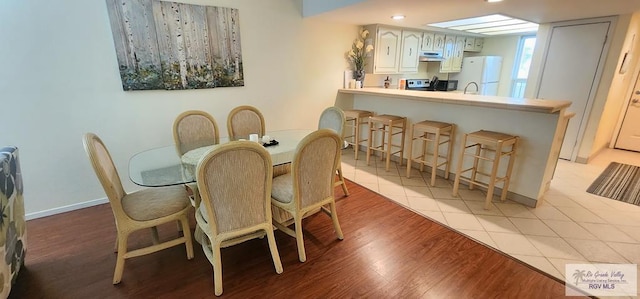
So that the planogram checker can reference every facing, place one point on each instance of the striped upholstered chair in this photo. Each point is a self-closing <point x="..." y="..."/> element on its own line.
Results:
<point x="310" y="184"/>
<point x="13" y="229"/>
<point x="234" y="180"/>
<point x="245" y="120"/>
<point x="144" y="209"/>
<point x="193" y="129"/>
<point x="333" y="118"/>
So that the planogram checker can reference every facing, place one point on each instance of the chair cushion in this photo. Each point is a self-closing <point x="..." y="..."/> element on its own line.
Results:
<point x="153" y="203"/>
<point x="282" y="188"/>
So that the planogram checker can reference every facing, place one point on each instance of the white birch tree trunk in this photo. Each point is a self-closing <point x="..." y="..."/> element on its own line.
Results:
<point x="128" y="31"/>
<point x="180" y="44"/>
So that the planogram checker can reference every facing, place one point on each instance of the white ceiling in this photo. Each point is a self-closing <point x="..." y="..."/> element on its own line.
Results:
<point x="421" y="12"/>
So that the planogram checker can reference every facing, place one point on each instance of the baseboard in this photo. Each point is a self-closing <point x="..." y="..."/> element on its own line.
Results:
<point x="69" y="208"/>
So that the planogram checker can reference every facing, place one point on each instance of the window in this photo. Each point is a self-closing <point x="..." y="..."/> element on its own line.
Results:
<point x="522" y="65"/>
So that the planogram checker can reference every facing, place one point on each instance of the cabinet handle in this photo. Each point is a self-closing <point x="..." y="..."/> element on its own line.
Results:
<point x="410" y="51"/>
<point x="387" y="50"/>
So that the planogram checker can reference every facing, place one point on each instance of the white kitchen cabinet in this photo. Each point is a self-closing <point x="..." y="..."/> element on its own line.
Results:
<point x="438" y="42"/>
<point x="458" y="53"/>
<point x="453" y="53"/>
<point x="427" y="41"/>
<point x="447" y="53"/>
<point x="478" y="44"/>
<point x="385" y="58"/>
<point x="469" y="43"/>
<point x="409" y="54"/>
<point x="395" y="50"/>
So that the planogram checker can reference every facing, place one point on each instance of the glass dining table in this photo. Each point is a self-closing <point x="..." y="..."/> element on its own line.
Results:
<point x="163" y="166"/>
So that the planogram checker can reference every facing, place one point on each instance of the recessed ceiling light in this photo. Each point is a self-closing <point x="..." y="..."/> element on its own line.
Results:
<point x="491" y="1"/>
<point x="397" y="17"/>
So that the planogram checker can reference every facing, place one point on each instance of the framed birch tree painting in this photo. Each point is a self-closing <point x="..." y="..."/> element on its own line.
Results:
<point x="169" y="45"/>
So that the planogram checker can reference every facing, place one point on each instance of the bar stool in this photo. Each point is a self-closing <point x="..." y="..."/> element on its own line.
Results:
<point x="484" y="141"/>
<point x="431" y="131"/>
<point x="385" y="124"/>
<point x="354" y="121"/>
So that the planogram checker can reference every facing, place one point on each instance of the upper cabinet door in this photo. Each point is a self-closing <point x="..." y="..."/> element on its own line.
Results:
<point x="478" y="44"/>
<point x="458" y="52"/>
<point x="438" y="42"/>
<point x="469" y="44"/>
<point x="387" y="50"/>
<point x="427" y="41"/>
<point x="449" y="44"/>
<point x="409" y="56"/>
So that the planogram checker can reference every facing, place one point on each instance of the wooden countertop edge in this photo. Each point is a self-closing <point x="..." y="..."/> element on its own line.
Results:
<point x="532" y="105"/>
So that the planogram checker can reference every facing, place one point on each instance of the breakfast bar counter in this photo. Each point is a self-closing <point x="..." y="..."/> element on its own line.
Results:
<point x="540" y="124"/>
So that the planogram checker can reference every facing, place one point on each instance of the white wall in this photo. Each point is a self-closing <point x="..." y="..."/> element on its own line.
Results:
<point x="60" y="79"/>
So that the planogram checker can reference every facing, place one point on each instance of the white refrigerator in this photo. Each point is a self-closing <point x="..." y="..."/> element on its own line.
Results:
<point x="483" y="70"/>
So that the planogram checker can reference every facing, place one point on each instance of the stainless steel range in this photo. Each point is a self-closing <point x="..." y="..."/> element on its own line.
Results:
<point x="418" y="84"/>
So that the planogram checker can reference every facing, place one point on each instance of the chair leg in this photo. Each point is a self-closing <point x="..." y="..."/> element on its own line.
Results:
<point x="334" y="218"/>
<point x="494" y="175"/>
<point x="154" y="235"/>
<point x="369" y="142"/>
<point x="186" y="232"/>
<point x="434" y="162"/>
<point x="356" y="138"/>
<point x="512" y="158"/>
<point x="217" y="268"/>
<point x="476" y="162"/>
<point x="410" y="152"/>
<point x="274" y="250"/>
<point x="122" y="250"/>
<point x="299" y="238"/>
<point x="115" y="247"/>
<point x="342" y="182"/>
<point x="388" y="162"/>
<point x="449" y="153"/>
<point x="456" y="183"/>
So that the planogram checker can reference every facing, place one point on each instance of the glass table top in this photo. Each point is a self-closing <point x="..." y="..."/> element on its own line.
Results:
<point x="164" y="167"/>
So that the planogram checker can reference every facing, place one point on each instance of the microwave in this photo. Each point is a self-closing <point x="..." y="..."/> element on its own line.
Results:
<point x="446" y="85"/>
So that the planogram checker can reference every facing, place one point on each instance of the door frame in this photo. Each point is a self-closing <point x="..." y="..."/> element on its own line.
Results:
<point x="625" y="104"/>
<point x="597" y="77"/>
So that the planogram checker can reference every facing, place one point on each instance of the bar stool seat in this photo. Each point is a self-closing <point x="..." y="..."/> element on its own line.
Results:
<point x="385" y="125"/>
<point x="431" y="132"/>
<point x="487" y="141"/>
<point x="353" y="122"/>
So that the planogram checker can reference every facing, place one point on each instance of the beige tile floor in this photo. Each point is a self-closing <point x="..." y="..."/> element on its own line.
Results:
<point x="570" y="226"/>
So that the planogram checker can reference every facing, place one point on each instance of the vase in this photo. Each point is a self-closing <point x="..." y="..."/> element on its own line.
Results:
<point x="358" y="75"/>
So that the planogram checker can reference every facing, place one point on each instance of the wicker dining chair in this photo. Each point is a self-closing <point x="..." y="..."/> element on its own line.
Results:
<point x="138" y="210"/>
<point x="310" y="184"/>
<point x="245" y="120"/>
<point x="333" y="118"/>
<point x="193" y="129"/>
<point x="235" y="184"/>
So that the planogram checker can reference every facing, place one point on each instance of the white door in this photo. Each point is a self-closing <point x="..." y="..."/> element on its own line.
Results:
<point x="629" y="136"/>
<point x="571" y="72"/>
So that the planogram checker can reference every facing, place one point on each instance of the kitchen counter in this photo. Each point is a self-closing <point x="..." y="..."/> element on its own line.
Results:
<point x="540" y="124"/>
<point x="458" y="98"/>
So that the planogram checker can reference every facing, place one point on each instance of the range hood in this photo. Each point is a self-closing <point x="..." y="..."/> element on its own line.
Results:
<point x="431" y="56"/>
